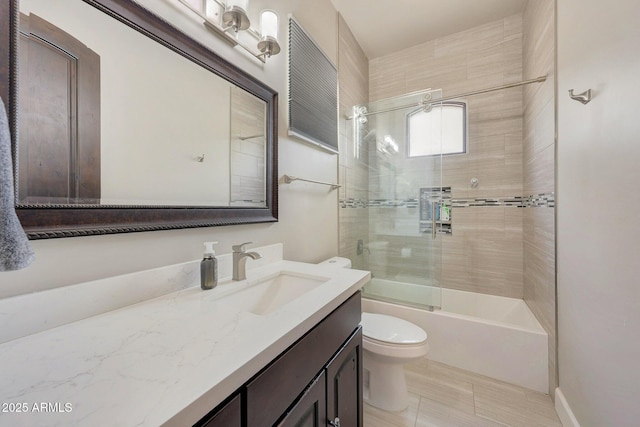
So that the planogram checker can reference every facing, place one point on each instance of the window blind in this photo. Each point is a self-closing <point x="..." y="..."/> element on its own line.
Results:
<point x="313" y="91"/>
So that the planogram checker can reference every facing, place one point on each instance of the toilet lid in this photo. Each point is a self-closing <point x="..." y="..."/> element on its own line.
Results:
<point x="391" y="329"/>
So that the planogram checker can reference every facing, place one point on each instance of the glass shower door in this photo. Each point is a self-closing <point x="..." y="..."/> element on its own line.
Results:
<point x="406" y="213"/>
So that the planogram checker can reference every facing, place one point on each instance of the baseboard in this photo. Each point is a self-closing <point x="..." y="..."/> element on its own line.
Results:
<point x="564" y="411"/>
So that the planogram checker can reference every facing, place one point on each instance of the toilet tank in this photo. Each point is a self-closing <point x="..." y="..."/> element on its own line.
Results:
<point x="338" y="262"/>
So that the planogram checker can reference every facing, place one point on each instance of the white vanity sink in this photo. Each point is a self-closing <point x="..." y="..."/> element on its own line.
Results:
<point x="267" y="294"/>
<point x="153" y="349"/>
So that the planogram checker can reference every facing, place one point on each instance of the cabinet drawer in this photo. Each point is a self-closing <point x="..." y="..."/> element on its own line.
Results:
<point x="272" y="391"/>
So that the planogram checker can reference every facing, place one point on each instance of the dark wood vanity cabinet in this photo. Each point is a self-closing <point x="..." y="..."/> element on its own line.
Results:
<point x="229" y="415"/>
<point x="344" y="383"/>
<point x="334" y="398"/>
<point x="311" y="409"/>
<point x="315" y="382"/>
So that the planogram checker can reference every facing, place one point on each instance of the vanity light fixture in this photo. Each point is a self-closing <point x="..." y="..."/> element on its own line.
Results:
<point x="268" y="43"/>
<point x="230" y="21"/>
<point x="235" y="15"/>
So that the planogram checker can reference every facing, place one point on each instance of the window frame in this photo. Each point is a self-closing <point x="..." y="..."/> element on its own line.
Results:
<point x="459" y="103"/>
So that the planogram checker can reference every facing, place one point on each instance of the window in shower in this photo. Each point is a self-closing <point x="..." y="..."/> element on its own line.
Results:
<point x="439" y="129"/>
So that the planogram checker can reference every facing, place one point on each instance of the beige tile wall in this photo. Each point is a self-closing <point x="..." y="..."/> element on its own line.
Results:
<point x="353" y="78"/>
<point x="485" y="252"/>
<point x="484" y="56"/>
<point x="538" y="159"/>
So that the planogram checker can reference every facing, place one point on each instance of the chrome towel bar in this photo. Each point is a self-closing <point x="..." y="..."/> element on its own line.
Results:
<point x="287" y="179"/>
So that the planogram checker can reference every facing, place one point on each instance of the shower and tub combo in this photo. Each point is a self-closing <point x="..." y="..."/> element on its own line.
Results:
<point x="414" y="216"/>
<point x="491" y="335"/>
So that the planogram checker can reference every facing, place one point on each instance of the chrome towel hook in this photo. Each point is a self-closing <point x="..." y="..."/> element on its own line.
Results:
<point x="583" y="97"/>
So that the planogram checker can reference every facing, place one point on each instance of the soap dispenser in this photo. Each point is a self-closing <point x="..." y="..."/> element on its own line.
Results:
<point x="209" y="267"/>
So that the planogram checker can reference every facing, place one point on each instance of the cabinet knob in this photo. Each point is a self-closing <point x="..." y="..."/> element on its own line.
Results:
<point x="335" y="423"/>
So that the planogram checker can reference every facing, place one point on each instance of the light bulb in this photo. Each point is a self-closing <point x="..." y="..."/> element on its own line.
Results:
<point x="269" y="24"/>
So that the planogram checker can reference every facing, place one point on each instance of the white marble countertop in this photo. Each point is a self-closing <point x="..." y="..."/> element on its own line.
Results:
<point x="164" y="361"/>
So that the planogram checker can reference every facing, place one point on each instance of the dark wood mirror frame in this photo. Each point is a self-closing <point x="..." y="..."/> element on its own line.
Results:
<point x="51" y="221"/>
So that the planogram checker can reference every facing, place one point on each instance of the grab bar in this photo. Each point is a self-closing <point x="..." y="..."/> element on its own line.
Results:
<point x="287" y="179"/>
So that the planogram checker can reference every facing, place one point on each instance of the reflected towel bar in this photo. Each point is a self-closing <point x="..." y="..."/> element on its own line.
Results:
<point x="244" y="138"/>
<point x="287" y="179"/>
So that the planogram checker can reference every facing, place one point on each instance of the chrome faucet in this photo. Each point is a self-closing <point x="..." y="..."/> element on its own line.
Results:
<point x="240" y="260"/>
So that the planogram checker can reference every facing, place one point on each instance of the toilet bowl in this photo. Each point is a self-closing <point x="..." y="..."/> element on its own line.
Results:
<point x="389" y="343"/>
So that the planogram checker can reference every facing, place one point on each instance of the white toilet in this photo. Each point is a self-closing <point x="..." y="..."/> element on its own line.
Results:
<point x="389" y="343"/>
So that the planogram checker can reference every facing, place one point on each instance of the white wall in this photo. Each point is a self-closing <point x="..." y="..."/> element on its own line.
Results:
<point x="598" y="235"/>
<point x="308" y="224"/>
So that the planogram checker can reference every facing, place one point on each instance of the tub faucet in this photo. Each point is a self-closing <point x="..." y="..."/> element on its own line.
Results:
<point x="240" y="260"/>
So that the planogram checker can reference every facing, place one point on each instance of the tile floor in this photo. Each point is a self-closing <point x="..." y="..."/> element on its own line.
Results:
<point x="444" y="396"/>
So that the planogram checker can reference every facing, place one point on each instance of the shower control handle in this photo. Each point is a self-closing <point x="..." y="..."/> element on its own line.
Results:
<point x="335" y="423"/>
<point x="434" y="206"/>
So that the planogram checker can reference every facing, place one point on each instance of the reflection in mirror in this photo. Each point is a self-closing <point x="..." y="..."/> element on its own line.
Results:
<point x="108" y="116"/>
<point x="248" y="149"/>
<point x="185" y="165"/>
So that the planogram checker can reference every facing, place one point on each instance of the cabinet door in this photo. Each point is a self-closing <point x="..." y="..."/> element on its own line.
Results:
<point x="311" y="409"/>
<point x="344" y="383"/>
<point x="229" y="416"/>
<point x="275" y="389"/>
<point x="59" y="158"/>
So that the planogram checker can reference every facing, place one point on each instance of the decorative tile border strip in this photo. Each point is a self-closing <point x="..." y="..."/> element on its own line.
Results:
<point x="517" y="201"/>
<point x="407" y="203"/>
<point x="354" y="203"/>
<point x="546" y="200"/>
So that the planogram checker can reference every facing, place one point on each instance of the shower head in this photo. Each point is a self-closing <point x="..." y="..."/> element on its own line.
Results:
<point x="370" y="136"/>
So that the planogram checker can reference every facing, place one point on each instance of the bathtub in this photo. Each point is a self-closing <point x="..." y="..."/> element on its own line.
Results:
<point x="490" y="335"/>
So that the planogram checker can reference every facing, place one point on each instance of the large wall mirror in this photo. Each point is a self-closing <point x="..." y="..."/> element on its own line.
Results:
<point x="120" y="123"/>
